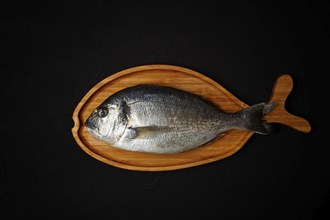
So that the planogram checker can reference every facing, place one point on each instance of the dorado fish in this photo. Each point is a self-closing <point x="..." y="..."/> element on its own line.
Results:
<point x="160" y="119"/>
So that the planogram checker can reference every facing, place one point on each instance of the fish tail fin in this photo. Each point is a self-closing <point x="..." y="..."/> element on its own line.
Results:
<point x="254" y="120"/>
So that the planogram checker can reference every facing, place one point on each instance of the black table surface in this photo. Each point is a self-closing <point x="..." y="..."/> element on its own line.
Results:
<point x="53" y="52"/>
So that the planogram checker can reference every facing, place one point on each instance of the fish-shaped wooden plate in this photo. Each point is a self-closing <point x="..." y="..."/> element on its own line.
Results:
<point x="187" y="80"/>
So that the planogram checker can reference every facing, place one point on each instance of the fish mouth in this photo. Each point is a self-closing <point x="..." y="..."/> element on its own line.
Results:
<point x="89" y="123"/>
<point x="92" y="129"/>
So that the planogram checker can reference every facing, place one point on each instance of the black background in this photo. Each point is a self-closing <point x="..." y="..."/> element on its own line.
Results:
<point x="53" y="52"/>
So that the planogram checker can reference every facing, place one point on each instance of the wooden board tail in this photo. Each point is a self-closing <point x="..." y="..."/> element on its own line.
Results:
<point x="281" y="90"/>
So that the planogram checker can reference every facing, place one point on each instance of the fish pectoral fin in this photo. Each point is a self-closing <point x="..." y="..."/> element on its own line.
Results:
<point x="149" y="131"/>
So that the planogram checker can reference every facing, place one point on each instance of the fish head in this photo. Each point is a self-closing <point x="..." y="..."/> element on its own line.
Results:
<point x="107" y="123"/>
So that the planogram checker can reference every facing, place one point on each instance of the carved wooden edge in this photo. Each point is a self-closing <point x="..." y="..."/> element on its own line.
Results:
<point x="281" y="90"/>
<point x="77" y="123"/>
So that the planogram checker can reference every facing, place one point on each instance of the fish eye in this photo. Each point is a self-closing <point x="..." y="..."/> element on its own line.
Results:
<point x="102" y="112"/>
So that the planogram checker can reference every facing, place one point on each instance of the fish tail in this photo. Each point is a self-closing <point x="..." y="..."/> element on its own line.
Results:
<point x="253" y="117"/>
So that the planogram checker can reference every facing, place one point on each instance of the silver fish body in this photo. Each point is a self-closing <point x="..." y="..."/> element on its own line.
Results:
<point x="159" y="119"/>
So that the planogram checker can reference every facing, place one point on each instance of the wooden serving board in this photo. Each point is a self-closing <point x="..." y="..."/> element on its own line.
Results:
<point x="190" y="81"/>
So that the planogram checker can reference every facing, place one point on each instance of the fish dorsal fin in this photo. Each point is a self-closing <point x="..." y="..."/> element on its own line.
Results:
<point x="148" y="131"/>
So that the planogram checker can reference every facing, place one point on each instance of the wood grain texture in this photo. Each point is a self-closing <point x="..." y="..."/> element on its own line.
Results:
<point x="190" y="81"/>
<point x="282" y="88"/>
